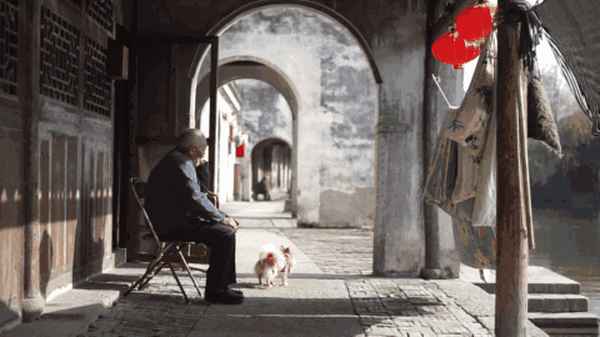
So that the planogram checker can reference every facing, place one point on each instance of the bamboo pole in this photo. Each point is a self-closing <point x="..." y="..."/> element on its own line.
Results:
<point x="512" y="248"/>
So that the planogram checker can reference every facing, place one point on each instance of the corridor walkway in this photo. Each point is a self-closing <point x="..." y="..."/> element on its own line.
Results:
<point x="330" y="294"/>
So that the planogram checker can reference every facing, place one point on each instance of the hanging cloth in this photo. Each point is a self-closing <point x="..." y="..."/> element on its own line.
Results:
<point x="462" y="175"/>
<point x="461" y="178"/>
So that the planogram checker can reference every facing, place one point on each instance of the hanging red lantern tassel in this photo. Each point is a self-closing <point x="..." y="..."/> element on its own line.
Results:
<point x="475" y="23"/>
<point x="451" y="48"/>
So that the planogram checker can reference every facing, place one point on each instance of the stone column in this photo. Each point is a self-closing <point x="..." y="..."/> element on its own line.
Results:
<point x="399" y="49"/>
<point x="29" y="70"/>
<point x="441" y="258"/>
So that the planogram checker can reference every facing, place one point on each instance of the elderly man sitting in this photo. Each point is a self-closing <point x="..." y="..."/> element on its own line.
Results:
<point x="181" y="212"/>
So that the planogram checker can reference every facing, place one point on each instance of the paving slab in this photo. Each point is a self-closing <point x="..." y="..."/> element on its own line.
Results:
<point x="479" y="304"/>
<point x="278" y="326"/>
<point x="540" y="279"/>
<point x="71" y="313"/>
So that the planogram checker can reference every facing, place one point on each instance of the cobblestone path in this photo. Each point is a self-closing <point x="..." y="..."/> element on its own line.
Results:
<point x="377" y="307"/>
<point x="386" y="307"/>
<point x="336" y="251"/>
<point x="410" y="308"/>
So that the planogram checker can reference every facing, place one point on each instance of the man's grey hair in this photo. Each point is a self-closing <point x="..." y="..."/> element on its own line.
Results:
<point x="191" y="137"/>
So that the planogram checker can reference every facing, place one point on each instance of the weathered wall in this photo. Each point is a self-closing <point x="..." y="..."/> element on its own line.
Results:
<point x="336" y="112"/>
<point x="264" y="113"/>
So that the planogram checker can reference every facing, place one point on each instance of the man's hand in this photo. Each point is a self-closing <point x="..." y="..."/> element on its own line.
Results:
<point x="232" y="223"/>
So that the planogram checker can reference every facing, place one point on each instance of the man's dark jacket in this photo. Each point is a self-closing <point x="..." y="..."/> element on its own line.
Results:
<point x="174" y="198"/>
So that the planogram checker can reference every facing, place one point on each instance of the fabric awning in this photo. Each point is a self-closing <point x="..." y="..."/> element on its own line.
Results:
<point x="575" y="27"/>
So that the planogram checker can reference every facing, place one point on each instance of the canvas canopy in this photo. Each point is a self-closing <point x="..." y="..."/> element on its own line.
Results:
<point x="575" y="29"/>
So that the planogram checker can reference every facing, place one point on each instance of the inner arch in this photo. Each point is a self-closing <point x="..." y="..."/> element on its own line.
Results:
<point x="250" y="68"/>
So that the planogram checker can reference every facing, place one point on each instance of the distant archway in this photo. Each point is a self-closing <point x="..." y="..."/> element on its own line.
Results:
<point x="245" y="67"/>
<point x="271" y="168"/>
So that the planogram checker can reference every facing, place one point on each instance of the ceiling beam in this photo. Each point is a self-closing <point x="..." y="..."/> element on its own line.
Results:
<point x="443" y="24"/>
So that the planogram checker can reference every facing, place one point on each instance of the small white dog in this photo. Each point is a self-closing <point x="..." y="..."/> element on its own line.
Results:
<point x="289" y="263"/>
<point x="273" y="262"/>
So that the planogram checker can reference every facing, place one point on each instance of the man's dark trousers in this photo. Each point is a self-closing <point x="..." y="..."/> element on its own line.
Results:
<point x="220" y="239"/>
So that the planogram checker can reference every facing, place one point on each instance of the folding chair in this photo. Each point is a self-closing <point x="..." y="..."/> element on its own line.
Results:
<point x="169" y="252"/>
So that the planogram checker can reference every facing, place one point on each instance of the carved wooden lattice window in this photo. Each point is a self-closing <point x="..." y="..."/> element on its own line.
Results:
<point x="9" y="25"/>
<point x="59" y="69"/>
<point x="102" y="12"/>
<point x="98" y="85"/>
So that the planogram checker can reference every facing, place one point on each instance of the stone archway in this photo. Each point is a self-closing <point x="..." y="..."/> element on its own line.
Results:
<point x="245" y="67"/>
<point x="247" y="9"/>
<point x="271" y="170"/>
<point x="334" y="104"/>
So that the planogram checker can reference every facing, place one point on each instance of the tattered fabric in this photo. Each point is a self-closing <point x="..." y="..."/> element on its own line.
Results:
<point x="573" y="27"/>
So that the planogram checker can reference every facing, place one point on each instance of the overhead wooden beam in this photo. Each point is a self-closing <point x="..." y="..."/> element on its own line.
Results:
<point x="512" y="247"/>
<point x="443" y="24"/>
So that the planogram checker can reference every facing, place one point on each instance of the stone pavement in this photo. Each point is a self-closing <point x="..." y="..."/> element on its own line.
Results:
<point x="314" y="304"/>
<point x="336" y="251"/>
<point x="329" y="295"/>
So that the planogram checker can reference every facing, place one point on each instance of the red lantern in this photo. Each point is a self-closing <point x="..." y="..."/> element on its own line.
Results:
<point x="475" y="23"/>
<point x="450" y="48"/>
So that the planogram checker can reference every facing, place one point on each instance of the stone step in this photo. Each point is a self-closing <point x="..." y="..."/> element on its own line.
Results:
<point x="580" y="324"/>
<point x="555" y="303"/>
<point x="541" y="281"/>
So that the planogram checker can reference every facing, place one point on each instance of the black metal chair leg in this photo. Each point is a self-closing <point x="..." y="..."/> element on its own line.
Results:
<point x="151" y="270"/>
<point x="189" y="272"/>
<point x="149" y="278"/>
<point x="142" y="279"/>
<point x="187" y="300"/>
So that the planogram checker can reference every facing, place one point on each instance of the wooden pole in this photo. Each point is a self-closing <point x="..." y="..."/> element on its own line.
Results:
<point x="214" y="83"/>
<point x="432" y="268"/>
<point x="512" y="248"/>
<point x="29" y="95"/>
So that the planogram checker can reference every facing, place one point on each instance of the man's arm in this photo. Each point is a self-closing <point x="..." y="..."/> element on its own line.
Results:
<point x="198" y="203"/>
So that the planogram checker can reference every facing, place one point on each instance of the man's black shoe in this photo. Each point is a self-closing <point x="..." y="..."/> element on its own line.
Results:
<point x="224" y="297"/>
<point x="235" y="291"/>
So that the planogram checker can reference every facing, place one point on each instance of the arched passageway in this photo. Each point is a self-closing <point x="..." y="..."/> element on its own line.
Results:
<point x="251" y="111"/>
<point x="328" y="79"/>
